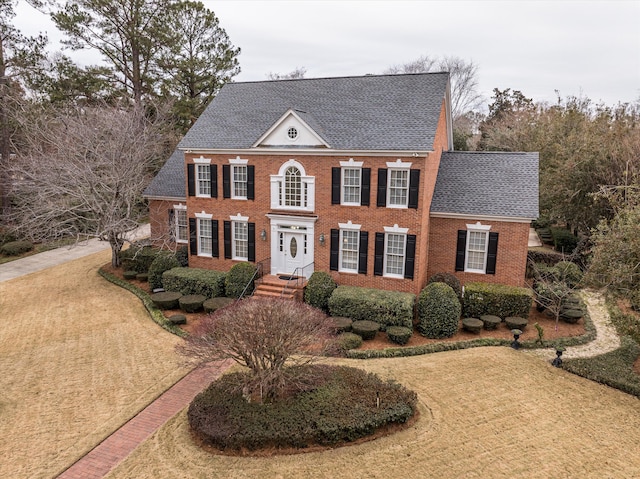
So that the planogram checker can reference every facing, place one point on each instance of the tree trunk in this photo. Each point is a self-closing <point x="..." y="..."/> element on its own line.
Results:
<point x="116" y="244"/>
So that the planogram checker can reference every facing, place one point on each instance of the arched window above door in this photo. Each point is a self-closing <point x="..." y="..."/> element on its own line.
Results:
<point x="292" y="189"/>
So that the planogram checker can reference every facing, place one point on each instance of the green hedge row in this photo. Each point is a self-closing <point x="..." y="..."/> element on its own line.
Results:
<point x="563" y="240"/>
<point x="389" y="308"/>
<point x="319" y="289"/>
<point x="496" y="300"/>
<point x="15" y="248"/>
<point x="138" y="257"/>
<point x="187" y="281"/>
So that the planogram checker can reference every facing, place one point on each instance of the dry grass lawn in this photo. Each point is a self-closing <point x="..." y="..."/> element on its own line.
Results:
<point x="79" y="356"/>
<point x="486" y="413"/>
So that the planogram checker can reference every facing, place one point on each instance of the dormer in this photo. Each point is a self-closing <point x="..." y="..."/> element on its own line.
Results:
<point x="293" y="130"/>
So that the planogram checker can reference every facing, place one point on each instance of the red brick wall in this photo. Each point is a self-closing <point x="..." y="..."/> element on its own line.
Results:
<point x="159" y="222"/>
<point x="511" y="260"/>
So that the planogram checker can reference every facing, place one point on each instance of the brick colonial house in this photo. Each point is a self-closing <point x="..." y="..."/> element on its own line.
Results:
<point x="355" y="176"/>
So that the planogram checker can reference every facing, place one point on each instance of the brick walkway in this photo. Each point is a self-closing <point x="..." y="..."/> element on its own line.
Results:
<point x="110" y="452"/>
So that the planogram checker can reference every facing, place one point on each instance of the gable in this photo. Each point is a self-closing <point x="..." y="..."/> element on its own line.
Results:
<point x="291" y="130"/>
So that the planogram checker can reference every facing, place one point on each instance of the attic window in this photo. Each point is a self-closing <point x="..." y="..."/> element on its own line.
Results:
<point x="292" y="133"/>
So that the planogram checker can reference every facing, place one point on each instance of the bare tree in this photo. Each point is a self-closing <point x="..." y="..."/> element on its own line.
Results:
<point x="296" y="74"/>
<point x="82" y="173"/>
<point x="269" y="336"/>
<point x="463" y="74"/>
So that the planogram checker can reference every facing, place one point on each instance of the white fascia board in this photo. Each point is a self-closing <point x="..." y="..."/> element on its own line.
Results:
<point x="281" y="120"/>
<point x="310" y="152"/>
<point x="504" y="219"/>
<point x="165" y="198"/>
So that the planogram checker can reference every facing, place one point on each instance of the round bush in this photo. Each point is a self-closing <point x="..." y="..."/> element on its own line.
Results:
<point x="177" y="319"/>
<point x="166" y="299"/>
<point x="211" y="305"/>
<point x="130" y="274"/>
<point x="571" y="316"/>
<point x="513" y="322"/>
<point x="490" y="322"/>
<point x="319" y="289"/>
<point x="342" y="324"/>
<point x="365" y="329"/>
<point x="347" y="341"/>
<point x="569" y="272"/>
<point x="164" y="262"/>
<point x="473" y="325"/>
<point x="142" y="277"/>
<point x="15" y="248"/>
<point x="450" y="279"/>
<point x="238" y="278"/>
<point x="399" y="334"/>
<point x="439" y="311"/>
<point x="191" y="303"/>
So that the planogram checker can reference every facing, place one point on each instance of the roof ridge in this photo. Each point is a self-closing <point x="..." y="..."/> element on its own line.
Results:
<point x="367" y="75"/>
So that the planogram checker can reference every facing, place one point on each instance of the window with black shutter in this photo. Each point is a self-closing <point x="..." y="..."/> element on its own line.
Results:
<point x="193" y="237"/>
<point x="410" y="255"/>
<point x="461" y="248"/>
<point x="382" y="187"/>
<point x="227" y="239"/>
<point x="414" y="188"/>
<point x="334" y="249"/>
<point x="335" y="185"/>
<point x="362" y="252"/>
<point x="365" y="191"/>
<point x="378" y="257"/>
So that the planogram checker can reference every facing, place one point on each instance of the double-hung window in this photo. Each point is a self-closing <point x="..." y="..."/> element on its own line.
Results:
<point x="203" y="180"/>
<point x="398" y="188"/>
<point x="351" y="185"/>
<point x="239" y="181"/>
<point x="181" y="230"/>
<point x="394" y="254"/>
<point x="477" y="249"/>
<point x="240" y="240"/>
<point x="205" y="237"/>
<point x="349" y="247"/>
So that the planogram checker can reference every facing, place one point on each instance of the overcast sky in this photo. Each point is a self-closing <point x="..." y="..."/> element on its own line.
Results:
<point x="589" y="48"/>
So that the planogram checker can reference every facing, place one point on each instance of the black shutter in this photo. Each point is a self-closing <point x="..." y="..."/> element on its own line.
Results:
<point x="492" y="253"/>
<point x="362" y="252"/>
<point x="172" y="226"/>
<point x="227" y="239"/>
<point x="226" y="181"/>
<point x="193" y="236"/>
<point x="334" y="250"/>
<point x="251" y="180"/>
<point x="215" y="247"/>
<point x="460" y="249"/>
<point x="213" y="172"/>
<point x="382" y="187"/>
<point x="335" y="185"/>
<point x="414" y="187"/>
<point x="365" y="190"/>
<point x="191" y="179"/>
<point x="410" y="257"/>
<point x="252" y="242"/>
<point x="378" y="258"/>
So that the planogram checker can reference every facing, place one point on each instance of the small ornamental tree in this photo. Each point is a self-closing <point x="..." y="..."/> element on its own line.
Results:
<point x="271" y="337"/>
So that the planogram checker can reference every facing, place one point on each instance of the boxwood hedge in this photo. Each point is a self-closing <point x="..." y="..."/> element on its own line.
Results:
<point x="496" y="300"/>
<point x="206" y="282"/>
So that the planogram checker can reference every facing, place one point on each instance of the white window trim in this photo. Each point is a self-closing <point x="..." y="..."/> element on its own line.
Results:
<point x="398" y="166"/>
<point x="307" y="188"/>
<point x="202" y="162"/>
<point x="238" y="219"/>
<point x="180" y="207"/>
<point x="395" y="229"/>
<point x="477" y="228"/>
<point x="199" y="217"/>
<point x="237" y="161"/>
<point x="348" y="226"/>
<point x="351" y="164"/>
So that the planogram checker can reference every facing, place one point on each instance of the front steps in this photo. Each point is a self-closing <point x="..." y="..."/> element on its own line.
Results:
<point x="271" y="286"/>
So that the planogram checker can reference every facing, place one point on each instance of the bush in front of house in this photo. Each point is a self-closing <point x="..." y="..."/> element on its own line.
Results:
<point x="138" y="257"/>
<point x="238" y="278"/>
<point x="15" y="248"/>
<point x="191" y="303"/>
<point x="438" y="311"/>
<point x="388" y="308"/>
<point x="399" y="335"/>
<point x="564" y="240"/>
<point x="347" y="341"/>
<point x="319" y="289"/>
<point x="182" y="255"/>
<point x="569" y="272"/>
<point x="206" y="282"/>
<point x="497" y="300"/>
<point x="163" y="262"/>
<point x="450" y="279"/>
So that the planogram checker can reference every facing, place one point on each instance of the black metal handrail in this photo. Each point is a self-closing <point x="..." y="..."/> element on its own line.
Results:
<point x="294" y="277"/>
<point x="256" y="275"/>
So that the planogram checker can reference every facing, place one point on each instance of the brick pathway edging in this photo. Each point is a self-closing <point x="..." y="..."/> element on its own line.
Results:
<point x="115" y="448"/>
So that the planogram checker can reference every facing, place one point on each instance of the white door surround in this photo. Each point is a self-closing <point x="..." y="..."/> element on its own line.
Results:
<point x="292" y="244"/>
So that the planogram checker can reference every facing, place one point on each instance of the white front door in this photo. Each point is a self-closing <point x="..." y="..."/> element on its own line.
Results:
<point x="293" y="251"/>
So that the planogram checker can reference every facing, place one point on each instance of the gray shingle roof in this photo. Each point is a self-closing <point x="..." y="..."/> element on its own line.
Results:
<point x="487" y="183"/>
<point x="386" y="112"/>
<point x="170" y="180"/>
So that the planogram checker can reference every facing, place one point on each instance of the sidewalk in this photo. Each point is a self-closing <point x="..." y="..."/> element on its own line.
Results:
<point x="54" y="257"/>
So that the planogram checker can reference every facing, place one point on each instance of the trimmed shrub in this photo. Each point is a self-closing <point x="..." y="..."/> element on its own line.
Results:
<point x="191" y="303"/>
<point x="541" y="222"/>
<point x="388" y="308"/>
<point x="166" y="299"/>
<point x="438" y="311"/>
<point x="398" y="334"/>
<point x="365" y="329"/>
<point x="182" y="255"/>
<point x="490" y="322"/>
<point x="496" y="300"/>
<point x="15" y="248"/>
<point x="347" y="341"/>
<point x="130" y="274"/>
<point x="514" y="322"/>
<point x="138" y="257"/>
<point x="319" y="289"/>
<point x="549" y="293"/>
<point x="569" y="272"/>
<point x="539" y="256"/>
<point x="163" y="262"/>
<point x="142" y="277"/>
<point x="571" y="316"/>
<point x="473" y="325"/>
<point x="450" y="279"/>
<point x="206" y="282"/>
<point x="211" y="305"/>
<point x="237" y="279"/>
<point x="564" y="240"/>
<point x="342" y="324"/>
<point x="177" y="319"/>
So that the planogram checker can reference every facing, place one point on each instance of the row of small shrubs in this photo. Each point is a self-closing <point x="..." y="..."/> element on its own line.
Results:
<point x="343" y="405"/>
<point x="388" y="308"/>
<point x="140" y="256"/>
<point x="15" y="248"/>
<point x="208" y="283"/>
